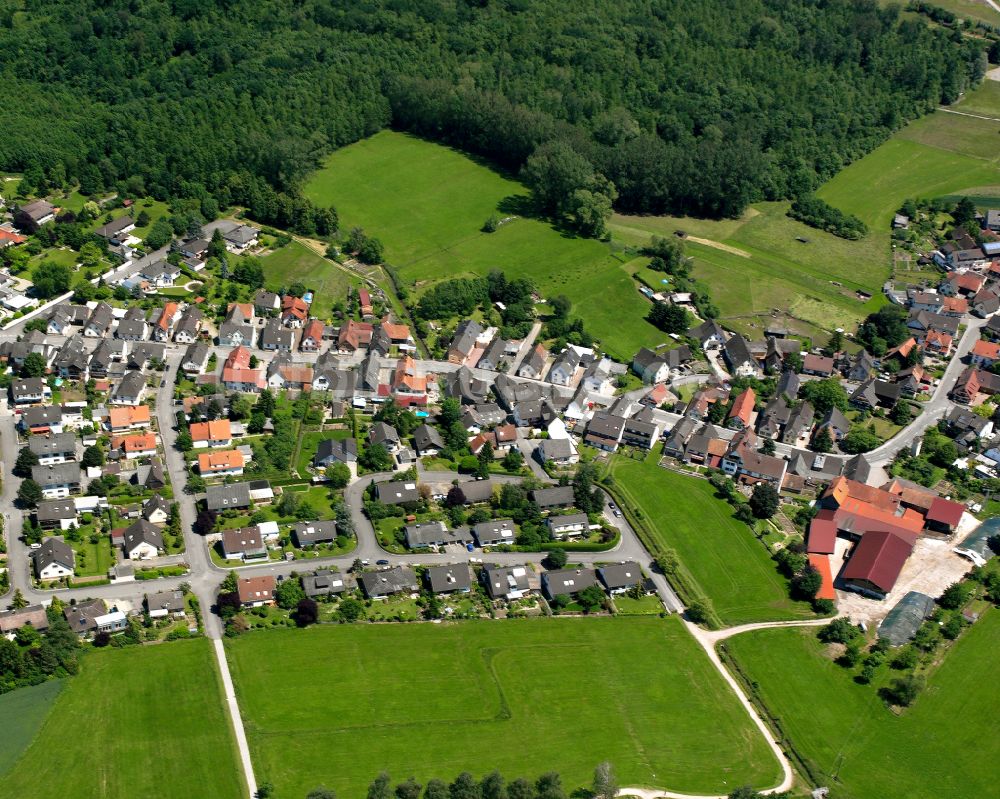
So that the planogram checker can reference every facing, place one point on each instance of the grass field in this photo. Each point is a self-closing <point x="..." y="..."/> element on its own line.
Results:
<point x="338" y="704"/>
<point x="976" y="10"/>
<point x="944" y="747"/>
<point x="984" y="99"/>
<point x="297" y="263"/>
<point x="428" y="203"/>
<point x="731" y="567"/>
<point x="135" y="722"/>
<point x="23" y="711"/>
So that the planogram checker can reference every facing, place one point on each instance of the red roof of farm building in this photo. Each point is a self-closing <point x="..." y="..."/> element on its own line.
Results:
<point x="821" y="563"/>
<point x="945" y="511"/>
<point x="823" y="532"/>
<point x="879" y="558"/>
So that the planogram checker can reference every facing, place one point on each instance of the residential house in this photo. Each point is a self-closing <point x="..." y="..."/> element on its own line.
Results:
<point x="138" y="445"/>
<point x="246" y="543"/>
<point x="739" y="358"/>
<point x="799" y="425"/>
<point x="227" y="496"/>
<point x="819" y="365"/>
<point x="82" y="616"/>
<point x="57" y="480"/>
<point x="54" y="560"/>
<point x="384" y="583"/>
<point x="224" y="463"/>
<point x="451" y="579"/>
<point x="423" y="535"/>
<point x="505" y="582"/>
<point x="741" y="414"/>
<point x="984" y="353"/>
<point x="939" y="344"/>
<point x="99" y="322"/>
<point x="41" y="419"/>
<point x="282" y="373"/>
<point x="365" y="303"/>
<point x="427" y="440"/>
<point x="336" y="450"/>
<point x="565" y="582"/>
<point x="32" y="615"/>
<point x="384" y="434"/>
<point x="464" y="341"/>
<point x="214" y="433"/>
<point x="237" y="330"/>
<point x="160" y="274"/>
<point x="59" y="514"/>
<point x="323" y="583"/>
<point x="640" y="430"/>
<point x="604" y="431"/>
<point x="744" y="463"/>
<point x="306" y="534"/>
<point x="312" y="336"/>
<point x="860" y="367"/>
<point x="165" y="604"/>
<point x="618" y="578"/>
<point x="150" y="475"/>
<point x="966" y="284"/>
<point x="650" y="367"/>
<point x="560" y="451"/>
<point x="255" y="592"/>
<point x="64" y="316"/>
<point x="132" y="326"/>
<point x="494" y="357"/>
<point x="128" y="417"/>
<point x="30" y="391"/>
<point x="465" y="387"/>
<point x="266" y="302"/>
<point x="408" y="385"/>
<point x="569" y="525"/>
<point x="554" y="497"/>
<point x="275" y="337"/>
<point x="926" y="301"/>
<point x="294" y="311"/>
<point x="188" y="328"/>
<point x="985" y="303"/>
<point x="494" y="532"/>
<point x="534" y="364"/>
<point x="130" y="390"/>
<point x="241" y="238"/>
<point x="40" y="212"/>
<point x="156" y="510"/>
<point x="709" y="334"/>
<point x="237" y="374"/>
<point x="564" y="369"/>
<point x="195" y="359"/>
<point x="354" y="336"/>
<point x="142" y="541"/>
<point x="875" y="394"/>
<point x="397" y="492"/>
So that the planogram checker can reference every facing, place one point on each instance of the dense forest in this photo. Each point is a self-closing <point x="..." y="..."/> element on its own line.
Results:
<point x="685" y="105"/>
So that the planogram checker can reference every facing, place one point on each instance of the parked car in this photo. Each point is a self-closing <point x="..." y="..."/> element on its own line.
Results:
<point x="382" y="562"/>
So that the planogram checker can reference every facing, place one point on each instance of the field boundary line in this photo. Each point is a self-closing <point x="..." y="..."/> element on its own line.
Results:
<point x="235" y="717"/>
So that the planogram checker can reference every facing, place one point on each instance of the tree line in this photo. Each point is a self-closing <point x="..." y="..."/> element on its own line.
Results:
<point x="662" y="108"/>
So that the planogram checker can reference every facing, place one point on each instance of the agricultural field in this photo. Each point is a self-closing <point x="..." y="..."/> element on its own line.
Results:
<point x="943" y="747"/>
<point x="427" y="203"/>
<point x="336" y="705"/>
<point x="23" y="712"/>
<point x="297" y="263"/>
<point x="730" y="566"/>
<point x="163" y="730"/>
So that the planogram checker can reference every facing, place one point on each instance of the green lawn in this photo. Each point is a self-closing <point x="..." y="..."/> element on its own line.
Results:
<point x="97" y="558"/>
<point x="297" y="263"/>
<point x="338" y="704"/>
<point x="308" y="444"/>
<point x="147" y="721"/>
<point x="731" y="567"/>
<point x="23" y="711"/>
<point x="984" y="99"/>
<point x="644" y="606"/>
<point x="427" y="203"/>
<point x="940" y="748"/>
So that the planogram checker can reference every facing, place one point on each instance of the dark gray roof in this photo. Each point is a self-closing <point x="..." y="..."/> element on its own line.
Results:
<point x="620" y="575"/>
<point x="314" y="532"/>
<point x="56" y="474"/>
<point x="324" y="582"/>
<point x="130" y="386"/>
<point x="465" y="336"/>
<point x="494" y="531"/>
<point x="153" y="504"/>
<point x="445" y="579"/>
<point x="553" y="497"/>
<point x="426" y="437"/>
<point x="390" y="581"/>
<point x="142" y="532"/>
<point x="397" y="492"/>
<point x="463" y="385"/>
<point x="55" y="510"/>
<point x="54" y="550"/>
<point x="82" y="615"/>
<point x="171" y="601"/>
<point x="52" y="444"/>
<point x="500" y="581"/>
<point x="344" y="450"/>
<point x="568" y="581"/>
<point x="432" y="533"/>
<point x="234" y="495"/>
<point x="476" y="491"/>
<point x="382" y="433"/>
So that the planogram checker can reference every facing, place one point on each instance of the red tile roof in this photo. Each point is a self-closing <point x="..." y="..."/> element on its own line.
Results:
<point x="294" y="306"/>
<point x="945" y="511"/>
<point x="256" y="589"/>
<point x="821" y="563"/>
<point x="986" y="349"/>
<point x="215" y="430"/>
<point x="879" y="558"/>
<point x="823" y="532"/>
<point x="743" y="406"/>
<point x="239" y="358"/>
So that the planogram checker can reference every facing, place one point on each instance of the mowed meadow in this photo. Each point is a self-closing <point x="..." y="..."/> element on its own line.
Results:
<point x="142" y="722"/>
<point x="427" y="203"/>
<point x="945" y="746"/>
<point x="338" y="705"/>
